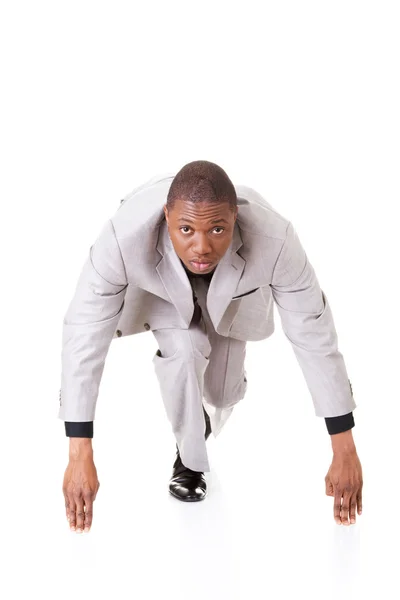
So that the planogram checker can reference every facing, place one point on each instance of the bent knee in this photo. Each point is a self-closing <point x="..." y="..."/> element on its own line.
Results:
<point x="225" y="396"/>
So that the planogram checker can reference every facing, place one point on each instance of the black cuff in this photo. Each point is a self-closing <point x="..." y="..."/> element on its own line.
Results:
<point x="339" y="424"/>
<point x="84" y="429"/>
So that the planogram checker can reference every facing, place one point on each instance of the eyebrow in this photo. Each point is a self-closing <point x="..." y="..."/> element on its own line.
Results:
<point x="211" y="222"/>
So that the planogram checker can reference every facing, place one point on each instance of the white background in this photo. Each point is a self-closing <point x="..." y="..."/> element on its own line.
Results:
<point x="299" y="100"/>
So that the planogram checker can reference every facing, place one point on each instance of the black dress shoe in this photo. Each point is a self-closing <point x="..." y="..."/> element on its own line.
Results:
<point x="185" y="484"/>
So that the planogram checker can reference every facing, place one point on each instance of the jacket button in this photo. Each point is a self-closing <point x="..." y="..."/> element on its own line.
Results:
<point x="118" y="333"/>
<point x="146" y="326"/>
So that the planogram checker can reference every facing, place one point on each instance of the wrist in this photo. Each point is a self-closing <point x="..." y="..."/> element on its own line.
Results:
<point x="343" y="443"/>
<point x="80" y="448"/>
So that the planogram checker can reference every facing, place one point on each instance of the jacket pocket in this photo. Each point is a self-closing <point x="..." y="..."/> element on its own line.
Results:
<point x="245" y="294"/>
<point x="158" y="357"/>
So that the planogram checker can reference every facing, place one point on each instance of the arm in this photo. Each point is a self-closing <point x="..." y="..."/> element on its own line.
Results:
<point x="308" y="324"/>
<point x="88" y="329"/>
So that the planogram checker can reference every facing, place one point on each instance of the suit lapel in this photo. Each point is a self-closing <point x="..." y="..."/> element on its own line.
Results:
<point x="225" y="280"/>
<point x="173" y="276"/>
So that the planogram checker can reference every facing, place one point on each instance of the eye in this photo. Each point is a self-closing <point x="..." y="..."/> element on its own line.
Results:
<point x="188" y="229"/>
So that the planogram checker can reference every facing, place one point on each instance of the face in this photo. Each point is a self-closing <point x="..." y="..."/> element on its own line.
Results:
<point x="200" y="233"/>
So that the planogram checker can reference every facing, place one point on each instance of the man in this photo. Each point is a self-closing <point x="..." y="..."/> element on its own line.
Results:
<point x="200" y="262"/>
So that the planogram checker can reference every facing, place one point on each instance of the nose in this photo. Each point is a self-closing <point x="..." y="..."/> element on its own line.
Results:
<point x="201" y="246"/>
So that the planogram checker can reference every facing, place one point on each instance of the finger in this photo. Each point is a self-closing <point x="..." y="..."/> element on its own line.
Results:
<point x="359" y="502"/>
<point x="88" y="498"/>
<point x="66" y="503"/>
<point x="328" y="487"/>
<point x="95" y="492"/>
<point x="80" y="514"/>
<point x="66" y="506"/>
<point x="345" y="509"/>
<point x="353" y="507"/>
<point x="337" y="502"/>
<point x="72" y="513"/>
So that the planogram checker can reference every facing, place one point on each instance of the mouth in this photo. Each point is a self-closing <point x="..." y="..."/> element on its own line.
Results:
<point x="201" y="266"/>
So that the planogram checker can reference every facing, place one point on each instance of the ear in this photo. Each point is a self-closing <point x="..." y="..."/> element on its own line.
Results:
<point x="165" y="212"/>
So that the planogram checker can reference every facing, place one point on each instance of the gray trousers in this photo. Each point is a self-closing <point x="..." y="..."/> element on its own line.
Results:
<point x="198" y="369"/>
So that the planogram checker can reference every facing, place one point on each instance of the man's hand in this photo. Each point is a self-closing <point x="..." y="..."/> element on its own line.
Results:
<point x="80" y="485"/>
<point x="344" y="479"/>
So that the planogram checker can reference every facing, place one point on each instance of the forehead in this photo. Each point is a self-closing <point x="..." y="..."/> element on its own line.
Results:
<point x="201" y="210"/>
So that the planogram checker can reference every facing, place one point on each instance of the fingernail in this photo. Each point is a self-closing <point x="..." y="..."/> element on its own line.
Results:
<point x="79" y="530"/>
<point x="86" y="529"/>
<point x="72" y="528"/>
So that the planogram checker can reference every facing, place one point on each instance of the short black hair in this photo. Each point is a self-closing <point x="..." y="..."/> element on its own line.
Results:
<point x="202" y="181"/>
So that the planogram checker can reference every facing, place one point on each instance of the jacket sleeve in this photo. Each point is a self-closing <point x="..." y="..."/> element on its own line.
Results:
<point x="308" y="324"/>
<point x="89" y="326"/>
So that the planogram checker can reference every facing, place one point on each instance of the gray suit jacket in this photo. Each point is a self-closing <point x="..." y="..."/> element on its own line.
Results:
<point x="133" y="281"/>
